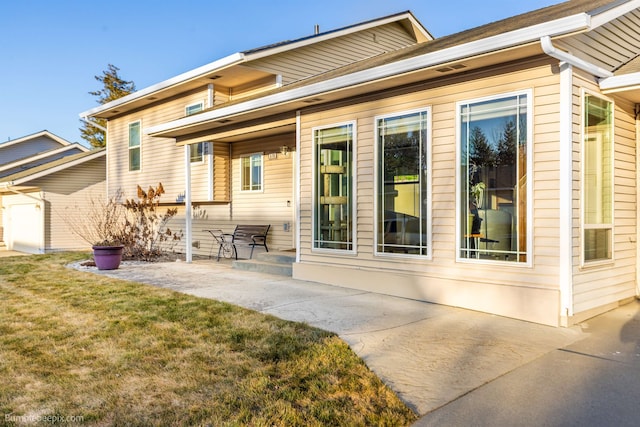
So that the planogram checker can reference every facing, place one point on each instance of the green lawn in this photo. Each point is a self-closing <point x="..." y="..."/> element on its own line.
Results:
<point x="74" y="344"/>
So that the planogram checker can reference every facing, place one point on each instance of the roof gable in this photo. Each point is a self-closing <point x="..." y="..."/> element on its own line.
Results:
<point x="52" y="167"/>
<point x="526" y="30"/>
<point x="241" y="61"/>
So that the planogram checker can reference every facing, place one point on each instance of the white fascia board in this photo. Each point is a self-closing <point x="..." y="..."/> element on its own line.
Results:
<point x="55" y="169"/>
<point x="618" y="83"/>
<point x="182" y="78"/>
<point x="43" y="155"/>
<point x="46" y="133"/>
<point x="569" y="24"/>
<point x="609" y="15"/>
<point x="335" y="34"/>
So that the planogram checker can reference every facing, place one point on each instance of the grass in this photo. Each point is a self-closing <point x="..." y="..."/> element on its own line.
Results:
<point x="110" y="352"/>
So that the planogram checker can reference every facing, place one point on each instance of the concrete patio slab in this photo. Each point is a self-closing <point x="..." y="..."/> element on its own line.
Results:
<point x="428" y="354"/>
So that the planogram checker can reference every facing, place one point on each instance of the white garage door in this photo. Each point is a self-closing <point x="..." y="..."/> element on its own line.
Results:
<point x="24" y="231"/>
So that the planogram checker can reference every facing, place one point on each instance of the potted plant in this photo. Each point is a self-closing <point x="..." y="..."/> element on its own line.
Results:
<point x="102" y="226"/>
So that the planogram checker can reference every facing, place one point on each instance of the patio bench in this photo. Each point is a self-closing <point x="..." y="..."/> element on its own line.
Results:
<point x="252" y="235"/>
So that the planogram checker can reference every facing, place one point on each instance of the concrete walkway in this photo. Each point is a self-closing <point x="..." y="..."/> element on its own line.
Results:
<point x="430" y="355"/>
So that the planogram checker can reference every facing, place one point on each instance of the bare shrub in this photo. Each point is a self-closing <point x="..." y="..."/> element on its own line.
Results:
<point x="146" y="234"/>
<point x="102" y="223"/>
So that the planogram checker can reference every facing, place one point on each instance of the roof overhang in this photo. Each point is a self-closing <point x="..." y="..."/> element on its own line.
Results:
<point x="626" y="85"/>
<point x="405" y="71"/>
<point x="215" y="70"/>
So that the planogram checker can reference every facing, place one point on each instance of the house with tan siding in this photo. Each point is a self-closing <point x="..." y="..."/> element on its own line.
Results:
<point x="46" y="184"/>
<point x="493" y="169"/>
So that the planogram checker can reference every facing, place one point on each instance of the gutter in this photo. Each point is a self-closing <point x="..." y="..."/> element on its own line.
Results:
<point x="179" y="79"/>
<point x="6" y="186"/>
<point x="567" y="25"/>
<point x="552" y="51"/>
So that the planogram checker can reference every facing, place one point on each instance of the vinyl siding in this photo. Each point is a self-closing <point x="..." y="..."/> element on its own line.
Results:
<point x="274" y="205"/>
<point x="597" y="286"/>
<point x="441" y="277"/>
<point x="328" y="55"/>
<point x="161" y="160"/>
<point x="66" y="194"/>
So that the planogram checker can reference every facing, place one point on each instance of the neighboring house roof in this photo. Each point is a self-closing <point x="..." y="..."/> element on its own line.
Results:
<point x="442" y="55"/>
<point x="50" y="168"/>
<point x="41" y="158"/>
<point x="27" y="138"/>
<point x="151" y="93"/>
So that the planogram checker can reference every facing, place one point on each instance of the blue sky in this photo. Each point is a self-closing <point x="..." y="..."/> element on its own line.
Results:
<point x="51" y="50"/>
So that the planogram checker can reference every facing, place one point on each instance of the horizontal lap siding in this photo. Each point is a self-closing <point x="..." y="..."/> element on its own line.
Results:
<point x="67" y="194"/>
<point x="273" y="205"/>
<point x="443" y="100"/>
<point x="609" y="283"/>
<point x="328" y="55"/>
<point x="162" y="161"/>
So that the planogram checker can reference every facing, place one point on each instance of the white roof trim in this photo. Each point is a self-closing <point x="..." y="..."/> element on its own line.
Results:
<point x="58" y="168"/>
<point x="269" y="51"/>
<point x="565" y="25"/>
<point x="56" y="138"/>
<point x="620" y="83"/>
<point x="609" y="15"/>
<point x="184" y="77"/>
<point x="43" y="155"/>
<point x="248" y="56"/>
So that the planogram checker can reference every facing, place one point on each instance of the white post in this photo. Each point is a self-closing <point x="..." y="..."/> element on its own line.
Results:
<point x="566" y="191"/>
<point x="210" y="101"/>
<point x="296" y="180"/>
<point x="187" y="203"/>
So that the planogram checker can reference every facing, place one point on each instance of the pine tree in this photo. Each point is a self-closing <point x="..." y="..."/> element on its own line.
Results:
<point x="114" y="87"/>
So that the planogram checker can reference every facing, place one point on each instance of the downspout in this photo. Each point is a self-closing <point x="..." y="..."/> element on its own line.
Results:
<point x="89" y="122"/>
<point x="40" y="200"/>
<point x="552" y="51"/>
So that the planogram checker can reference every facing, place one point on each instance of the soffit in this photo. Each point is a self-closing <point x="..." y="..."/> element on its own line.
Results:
<point x="233" y="76"/>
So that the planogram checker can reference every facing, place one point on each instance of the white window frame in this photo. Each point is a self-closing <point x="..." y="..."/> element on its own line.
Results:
<point x="192" y="147"/>
<point x="354" y="186"/>
<point x="583" y="225"/>
<point x="250" y="156"/>
<point x="138" y="147"/>
<point x="530" y="179"/>
<point x="376" y="171"/>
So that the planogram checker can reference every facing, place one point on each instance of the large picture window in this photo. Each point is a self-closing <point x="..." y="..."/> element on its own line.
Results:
<point x="333" y="220"/>
<point x="494" y="178"/>
<point x="251" y="172"/>
<point x="402" y="173"/>
<point x="597" y="175"/>
<point x="134" y="146"/>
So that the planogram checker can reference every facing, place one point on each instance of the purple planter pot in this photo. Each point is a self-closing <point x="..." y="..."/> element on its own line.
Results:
<point x="107" y="257"/>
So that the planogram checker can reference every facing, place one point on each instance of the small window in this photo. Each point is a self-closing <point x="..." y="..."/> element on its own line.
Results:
<point x="251" y="170"/>
<point x="197" y="150"/>
<point x="134" y="146"/>
<point x="597" y="175"/>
